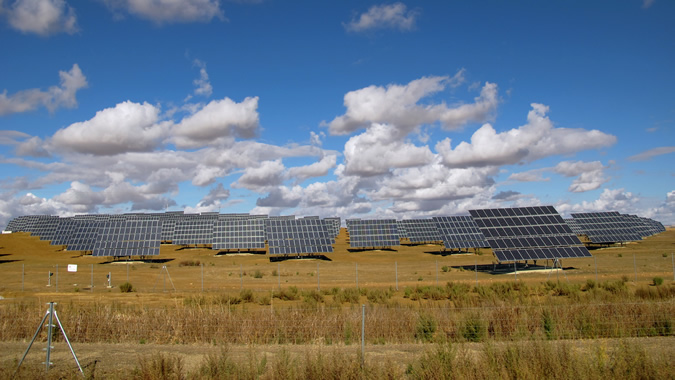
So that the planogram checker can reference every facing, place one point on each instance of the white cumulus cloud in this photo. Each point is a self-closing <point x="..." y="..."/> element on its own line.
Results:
<point x="537" y="139"/>
<point x="379" y="149"/>
<point x="385" y="16"/>
<point x="128" y="127"/>
<point x="63" y="95"/>
<point x="219" y="120"/>
<point x="42" y="17"/>
<point x="170" y="11"/>
<point x="399" y="105"/>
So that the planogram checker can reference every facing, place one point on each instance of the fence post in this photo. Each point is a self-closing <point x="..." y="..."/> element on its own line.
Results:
<point x="279" y="275"/>
<point x="318" y="280"/>
<point x="396" y="273"/>
<point x="23" y="269"/>
<point x="57" y="278"/>
<point x="241" y="278"/>
<point x="91" y="285"/>
<point x="436" y="272"/>
<point x="595" y="258"/>
<point x="476" y="270"/>
<point x="202" y="265"/>
<point x="672" y="258"/>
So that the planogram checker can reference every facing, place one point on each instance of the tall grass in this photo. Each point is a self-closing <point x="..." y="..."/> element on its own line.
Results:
<point x="491" y="360"/>
<point x="495" y="312"/>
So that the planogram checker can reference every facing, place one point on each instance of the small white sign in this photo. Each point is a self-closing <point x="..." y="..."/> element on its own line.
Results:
<point x="72" y="267"/>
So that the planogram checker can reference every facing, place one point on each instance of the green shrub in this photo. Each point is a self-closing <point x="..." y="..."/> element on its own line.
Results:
<point x="126" y="288"/>
<point x="445" y="268"/>
<point x="290" y="294"/>
<point x="160" y="366"/>
<point x="312" y="297"/>
<point x="473" y="328"/>
<point x="549" y="324"/>
<point x="426" y="328"/>
<point x="590" y="284"/>
<point x="257" y="274"/>
<point x="658" y="281"/>
<point x="350" y="295"/>
<point x="246" y="295"/>
<point x="379" y="296"/>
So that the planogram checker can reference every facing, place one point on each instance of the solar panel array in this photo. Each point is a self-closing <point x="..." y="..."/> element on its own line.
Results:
<point x="460" y="232"/>
<point x="651" y="227"/>
<point x="528" y="233"/>
<point x="373" y="233"/>
<point x="287" y="236"/>
<point x="239" y="233"/>
<point x="420" y="231"/>
<point x="514" y="234"/>
<point x="132" y="237"/>
<point x="607" y="227"/>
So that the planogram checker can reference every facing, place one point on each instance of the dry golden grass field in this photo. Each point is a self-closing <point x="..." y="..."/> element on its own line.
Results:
<point x="187" y="305"/>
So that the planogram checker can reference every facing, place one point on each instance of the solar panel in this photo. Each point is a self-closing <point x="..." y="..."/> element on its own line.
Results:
<point x="402" y="233"/>
<point x="298" y="236"/>
<point x="84" y="236"/>
<point x="45" y="227"/>
<point x="607" y="227"/>
<point x="460" y="232"/>
<point x="132" y="237"/>
<point x="528" y="233"/>
<point x="333" y="225"/>
<point x="373" y="233"/>
<point x="64" y="231"/>
<point x="238" y="232"/>
<point x="420" y="231"/>
<point x="194" y="229"/>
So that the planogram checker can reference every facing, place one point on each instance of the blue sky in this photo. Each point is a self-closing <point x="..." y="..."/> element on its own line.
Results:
<point x="346" y="108"/>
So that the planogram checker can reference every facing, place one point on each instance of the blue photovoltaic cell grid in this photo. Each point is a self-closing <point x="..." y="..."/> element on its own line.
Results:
<point x="298" y="236"/>
<point x="373" y="233"/>
<point x="528" y="233"/>
<point x="128" y="238"/>
<point x="460" y="232"/>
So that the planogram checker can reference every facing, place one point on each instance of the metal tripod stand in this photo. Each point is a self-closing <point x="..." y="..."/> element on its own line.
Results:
<point x="51" y="313"/>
